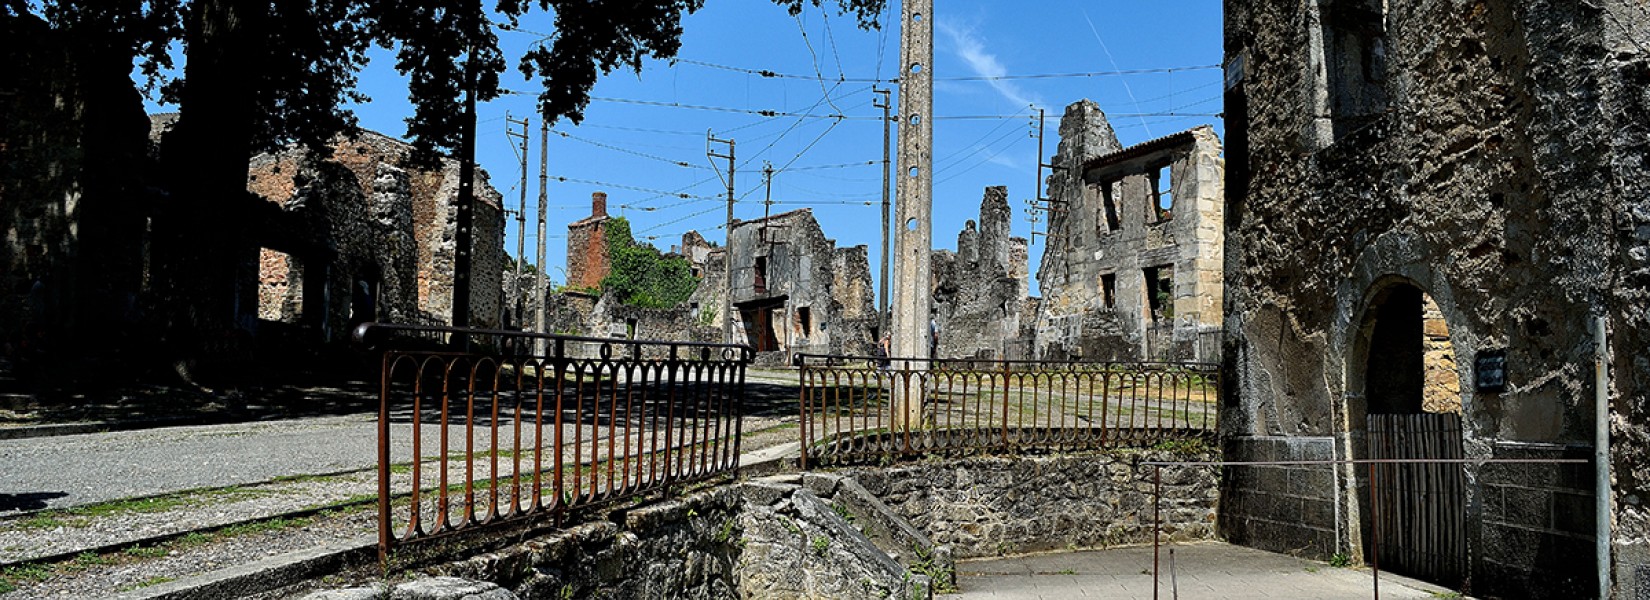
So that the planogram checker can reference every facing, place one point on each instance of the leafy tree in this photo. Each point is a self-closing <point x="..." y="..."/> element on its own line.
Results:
<point x="259" y="74"/>
<point x="639" y="275"/>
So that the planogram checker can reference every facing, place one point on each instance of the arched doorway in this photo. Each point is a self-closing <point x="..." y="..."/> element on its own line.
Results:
<point x="1413" y="513"/>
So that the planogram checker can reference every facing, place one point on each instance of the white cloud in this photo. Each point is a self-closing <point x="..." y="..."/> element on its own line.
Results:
<point x="968" y="46"/>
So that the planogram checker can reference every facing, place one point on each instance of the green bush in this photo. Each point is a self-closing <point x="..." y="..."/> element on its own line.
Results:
<point x="640" y="276"/>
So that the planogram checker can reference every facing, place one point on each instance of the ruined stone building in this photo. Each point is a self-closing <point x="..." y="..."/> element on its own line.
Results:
<point x="793" y="289"/>
<point x="361" y="236"/>
<point x="1485" y="158"/>
<point x="1132" y="266"/>
<point x="587" y="257"/>
<point x="982" y="307"/>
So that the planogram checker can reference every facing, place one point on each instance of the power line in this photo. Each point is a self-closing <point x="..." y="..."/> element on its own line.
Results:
<point x="771" y="74"/>
<point x="679" y="163"/>
<point x="625" y="187"/>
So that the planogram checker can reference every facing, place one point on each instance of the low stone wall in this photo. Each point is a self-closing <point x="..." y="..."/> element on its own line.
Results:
<point x="857" y="533"/>
<point x="991" y="506"/>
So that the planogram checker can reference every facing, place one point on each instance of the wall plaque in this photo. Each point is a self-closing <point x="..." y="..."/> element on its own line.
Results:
<point x="1490" y="371"/>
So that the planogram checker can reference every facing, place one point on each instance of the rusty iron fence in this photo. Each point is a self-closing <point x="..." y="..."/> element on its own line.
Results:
<point x="477" y="437"/>
<point x="860" y="408"/>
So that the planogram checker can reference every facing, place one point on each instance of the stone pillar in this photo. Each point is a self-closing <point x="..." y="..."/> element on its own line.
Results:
<point x="914" y="240"/>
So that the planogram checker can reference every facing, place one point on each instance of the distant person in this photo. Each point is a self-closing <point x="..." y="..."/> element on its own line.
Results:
<point x="882" y="354"/>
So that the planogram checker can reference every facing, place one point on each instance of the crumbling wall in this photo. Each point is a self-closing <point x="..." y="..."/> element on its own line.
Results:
<point x="587" y="259"/>
<point x="1109" y="243"/>
<point x="980" y="291"/>
<point x="1494" y="181"/>
<point x="362" y="223"/>
<point x="815" y="297"/>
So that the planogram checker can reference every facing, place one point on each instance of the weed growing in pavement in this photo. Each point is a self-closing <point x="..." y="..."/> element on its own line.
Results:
<point x="146" y="552"/>
<point x="1340" y="560"/>
<point x="152" y="581"/>
<point x="942" y="579"/>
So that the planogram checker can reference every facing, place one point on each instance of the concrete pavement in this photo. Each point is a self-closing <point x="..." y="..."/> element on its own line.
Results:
<point x="1202" y="570"/>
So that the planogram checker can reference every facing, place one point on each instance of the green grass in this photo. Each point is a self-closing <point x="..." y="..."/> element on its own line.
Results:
<point x="146" y="552"/>
<point x="264" y="526"/>
<point x="46" y="520"/>
<point x="152" y="581"/>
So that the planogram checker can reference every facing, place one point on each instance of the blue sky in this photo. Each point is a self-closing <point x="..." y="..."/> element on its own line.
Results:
<point x="830" y="165"/>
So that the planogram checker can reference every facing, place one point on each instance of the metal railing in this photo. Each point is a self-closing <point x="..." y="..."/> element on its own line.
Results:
<point x="859" y="408"/>
<point x="497" y="438"/>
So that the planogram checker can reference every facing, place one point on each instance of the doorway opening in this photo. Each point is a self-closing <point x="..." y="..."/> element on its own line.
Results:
<point x="1413" y="515"/>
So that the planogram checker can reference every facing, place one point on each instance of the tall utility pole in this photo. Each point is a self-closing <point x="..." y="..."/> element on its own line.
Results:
<point x="463" y="238"/>
<point x="521" y="221"/>
<point x="727" y="249"/>
<point x="1039" y="202"/>
<point x="540" y="286"/>
<point x="887" y="166"/>
<point x="913" y="298"/>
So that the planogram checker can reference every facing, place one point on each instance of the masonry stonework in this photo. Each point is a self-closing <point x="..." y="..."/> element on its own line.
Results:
<point x="1490" y="157"/>
<point x="980" y="291"/>
<point x="1132" y="267"/>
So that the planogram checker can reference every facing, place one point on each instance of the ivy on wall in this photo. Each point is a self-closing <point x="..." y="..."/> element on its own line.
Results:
<point x="639" y="275"/>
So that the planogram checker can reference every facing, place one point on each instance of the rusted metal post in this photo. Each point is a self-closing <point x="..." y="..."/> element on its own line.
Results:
<point x="384" y="535"/>
<point x="802" y="403"/>
<point x="1374" y="534"/>
<point x="1157" y="524"/>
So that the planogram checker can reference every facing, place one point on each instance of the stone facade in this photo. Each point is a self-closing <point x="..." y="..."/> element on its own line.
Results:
<point x="981" y="290"/>
<point x="793" y="289"/>
<point x="1488" y="156"/>
<point x="587" y="261"/>
<point x="366" y="237"/>
<point x="1133" y="265"/>
<point x="991" y="506"/>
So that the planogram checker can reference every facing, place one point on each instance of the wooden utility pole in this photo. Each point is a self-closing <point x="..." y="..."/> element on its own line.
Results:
<point x="727" y="249"/>
<point x="887" y="167"/>
<point x="540" y="286"/>
<point x="521" y="221"/>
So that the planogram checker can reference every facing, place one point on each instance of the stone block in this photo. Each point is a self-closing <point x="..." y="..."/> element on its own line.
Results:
<point x="449" y="588"/>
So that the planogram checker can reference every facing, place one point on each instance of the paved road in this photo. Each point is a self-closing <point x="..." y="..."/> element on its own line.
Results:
<point x="1204" y="570"/>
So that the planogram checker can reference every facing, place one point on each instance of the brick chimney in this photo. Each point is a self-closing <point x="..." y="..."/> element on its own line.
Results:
<point x="598" y="204"/>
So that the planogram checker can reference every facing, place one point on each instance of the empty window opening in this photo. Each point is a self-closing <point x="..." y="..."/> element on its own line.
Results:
<point x="630" y="328"/>
<point x="363" y="301"/>
<point x="1162" y="184"/>
<point x="1160" y="292"/>
<point x="1354" y="44"/>
<point x="280" y="287"/>
<point x="805" y="320"/>
<point x="761" y="283"/>
<point x="1108" y="290"/>
<point x="1109" y="218"/>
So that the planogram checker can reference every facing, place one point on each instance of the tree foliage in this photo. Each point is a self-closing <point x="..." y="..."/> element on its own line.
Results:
<point x="305" y="54"/>
<point x="639" y="275"/>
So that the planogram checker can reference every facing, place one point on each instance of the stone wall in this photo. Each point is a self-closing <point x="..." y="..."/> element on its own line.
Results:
<point x="376" y="233"/>
<point x="1293" y="509"/>
<point x="997" y="505"/>
<point x="813" y="297"/>
<point x="1110" y="244"/>
<point x="754" y="541"/>
<point x="1503" y="175"/>
<point x="980" y="290"/>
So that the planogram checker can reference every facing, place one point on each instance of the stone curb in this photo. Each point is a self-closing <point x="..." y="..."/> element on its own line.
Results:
<point x="59" y="429"/>
<point x="288" y="569"/>
<point x="263" y="575"/>
<point x="156" y="540"/>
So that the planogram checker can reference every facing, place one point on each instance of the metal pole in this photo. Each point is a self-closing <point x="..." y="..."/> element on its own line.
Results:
<point x="541" y="286"/>
<point x="1374" y="534"/>
<point x="1157" y="524"/>
<point x="1601" y="450"/>
<point x="887" y="169"/>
